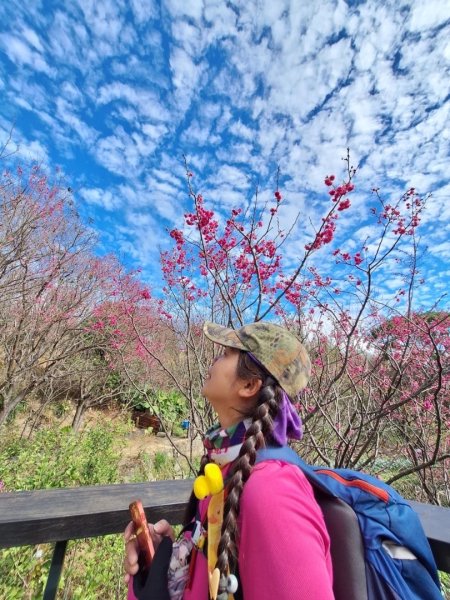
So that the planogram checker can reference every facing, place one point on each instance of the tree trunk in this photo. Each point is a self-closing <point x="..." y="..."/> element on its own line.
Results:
<point x="83" y="403"/>
<point x="10" y="402"/>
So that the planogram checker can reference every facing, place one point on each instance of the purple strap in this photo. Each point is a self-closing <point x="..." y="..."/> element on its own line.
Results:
<point x="287" y="424"/>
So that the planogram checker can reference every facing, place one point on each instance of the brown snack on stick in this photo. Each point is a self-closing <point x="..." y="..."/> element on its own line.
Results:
<point x="146" y="549"/>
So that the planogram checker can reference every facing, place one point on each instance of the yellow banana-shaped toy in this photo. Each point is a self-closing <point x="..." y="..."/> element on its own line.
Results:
<point x="211" y="483"/>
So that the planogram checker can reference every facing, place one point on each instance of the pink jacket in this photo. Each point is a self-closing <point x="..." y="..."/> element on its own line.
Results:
<point x="284" y="548"/>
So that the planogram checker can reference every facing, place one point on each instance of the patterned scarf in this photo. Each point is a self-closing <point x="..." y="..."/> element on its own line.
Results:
<point x="223" y="445"/>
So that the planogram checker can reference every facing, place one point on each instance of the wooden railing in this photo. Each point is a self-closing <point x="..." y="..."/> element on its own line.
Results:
<point x="59" y="515"/>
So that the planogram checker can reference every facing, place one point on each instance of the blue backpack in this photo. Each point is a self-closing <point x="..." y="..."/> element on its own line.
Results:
<point x="379" y="550"/>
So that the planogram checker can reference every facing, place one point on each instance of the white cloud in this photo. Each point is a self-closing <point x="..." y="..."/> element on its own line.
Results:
<point x="119" y="154"/>
<point x="21" y="53"/>
<point x="239" y="89"/>
<point x="240" y="153"/>
<point x="166" y="177"/>
<point x="72" y="92"/>
<point x="185" y="77"/>
<point x="103" y="18"/>
<point x="189" y="36"/>
<point x="69" y="41"/>
<point x="32" y="38"/>
<point x="225" y="197"/>
<point x="158" y="199"/>
<point x="153" y="131"/>
<point x="138" y="237"/>
<point x="98" y="197"/>
<point x="143" y="10"/>
<point x="443" y="251"/>
<point x="71" y="121"/>
<point x="428" y="15"/>
<point x="146" y="102"/>
<point x="241" y="131"/>
<point x="180" y="8"/>
<point x="33" y="151"/>
<point x="232" y="176"/>
<point x="200" y="133"/>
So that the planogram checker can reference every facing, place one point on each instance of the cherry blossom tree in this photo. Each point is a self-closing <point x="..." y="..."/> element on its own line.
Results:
<point x="379" y="364"/>
<point x="49" y="284"/>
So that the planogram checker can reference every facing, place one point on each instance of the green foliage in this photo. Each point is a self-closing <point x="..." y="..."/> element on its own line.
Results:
<point x="19" y="409"/>
<point x="170" y="406"/>
<point x="158" y="467"/>
<point x="141" y="399"/>
<point x="160" y="461"/>
<point x="92" y="570"/>
<point x="114" y="380"/>
<point x="24" y="571"/>
<point x="62" y="458"/>
<point x="445" y="583"/>
<point x="61" y="408"/>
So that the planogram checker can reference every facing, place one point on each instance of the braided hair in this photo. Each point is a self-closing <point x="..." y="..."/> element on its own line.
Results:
<point x="262" y="416"/>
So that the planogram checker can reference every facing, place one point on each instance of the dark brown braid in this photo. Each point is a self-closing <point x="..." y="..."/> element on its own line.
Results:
<point x="257" y="435"/>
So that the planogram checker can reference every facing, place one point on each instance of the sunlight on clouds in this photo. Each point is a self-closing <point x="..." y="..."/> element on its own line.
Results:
<point x="103" y="17"/>
<point x="181" y="8"/>
<point x="71" y="120"/>
<point x="185" y="77"/>
<point x="69" y="40"/>
<point x="98" y="197"/>
<point x="240" y="89"/>
<point x="33" y="151"/>
<point x="428" y="15"/>
<point x="143" y="10"/>
<point x="145" y="101"/>
<point x="232" y="176"/>
<point x="32" y="38"/>
<point x="122" y="153"/>
<point x="138" y="237"/>
<point x="157" y="199"/>
<point x="21" y="53"/>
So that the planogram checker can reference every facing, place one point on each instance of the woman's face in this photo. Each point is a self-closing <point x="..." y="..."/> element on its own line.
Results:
<point x="223" y="388"/>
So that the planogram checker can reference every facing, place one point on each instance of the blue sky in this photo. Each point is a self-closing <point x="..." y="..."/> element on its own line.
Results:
<point x="114" y="92"/>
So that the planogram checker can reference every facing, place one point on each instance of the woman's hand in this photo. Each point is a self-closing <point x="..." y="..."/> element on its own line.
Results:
<point x="157" y="532"/>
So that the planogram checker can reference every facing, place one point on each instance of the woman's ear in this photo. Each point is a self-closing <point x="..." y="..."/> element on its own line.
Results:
<point x="250" y="387"/>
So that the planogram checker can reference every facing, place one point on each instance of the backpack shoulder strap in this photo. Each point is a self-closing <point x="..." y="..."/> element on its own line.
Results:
<point x="286" y="454"/>
<point x="347" y="549"/>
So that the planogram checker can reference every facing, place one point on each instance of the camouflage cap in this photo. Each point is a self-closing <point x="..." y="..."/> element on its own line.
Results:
<point x="276" y="348"/>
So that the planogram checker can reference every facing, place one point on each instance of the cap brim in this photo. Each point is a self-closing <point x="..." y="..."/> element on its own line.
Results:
<point x="222" y="335"/>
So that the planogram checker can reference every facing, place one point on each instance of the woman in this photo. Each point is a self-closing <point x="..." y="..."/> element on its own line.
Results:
<point x="273" y="541"/>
